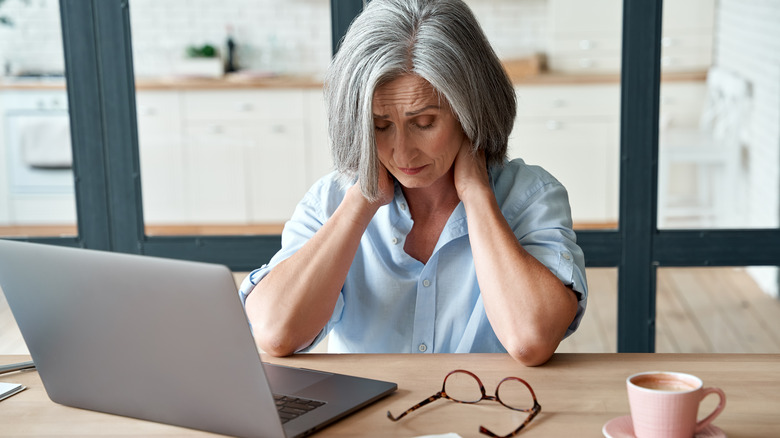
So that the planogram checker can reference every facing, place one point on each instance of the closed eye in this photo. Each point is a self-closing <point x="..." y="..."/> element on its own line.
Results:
<point x="424" y="122"/>
<point x="381" y="124"/>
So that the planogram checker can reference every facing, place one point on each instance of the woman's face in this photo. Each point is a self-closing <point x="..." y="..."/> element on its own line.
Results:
<point x="417" y="134"/>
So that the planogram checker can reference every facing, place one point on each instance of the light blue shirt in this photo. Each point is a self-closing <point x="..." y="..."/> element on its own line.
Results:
<point x="393" y="303"/>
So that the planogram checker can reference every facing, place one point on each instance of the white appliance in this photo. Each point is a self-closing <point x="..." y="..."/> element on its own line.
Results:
<point x="38" y="178"/>
<point x="37" y="138"/>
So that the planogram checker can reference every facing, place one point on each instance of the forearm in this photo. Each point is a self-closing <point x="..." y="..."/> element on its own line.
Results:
<point x="290" y="306"/>
<point x="527" y="305"/>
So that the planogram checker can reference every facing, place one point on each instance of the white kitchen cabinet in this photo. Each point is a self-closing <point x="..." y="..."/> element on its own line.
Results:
<point x="319" y="161"/>
<point x="215" y="182"/>
<point x="276" y="171"/>
<point x="161" y="155"/>
<point x="572" y="131"/>
<point x="585" y="35"/>
<point x="681" y="104"/>
<point x="260" y="135"/>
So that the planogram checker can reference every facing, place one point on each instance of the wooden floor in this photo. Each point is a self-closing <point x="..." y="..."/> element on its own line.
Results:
<point x="698" y="310"/>
<point x="703" y="310"/>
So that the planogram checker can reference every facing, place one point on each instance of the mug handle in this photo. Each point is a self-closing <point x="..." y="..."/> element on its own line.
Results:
<point x="704" y="393"/>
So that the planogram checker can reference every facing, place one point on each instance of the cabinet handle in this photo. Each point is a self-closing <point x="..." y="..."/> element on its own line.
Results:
<point x="554" y="125"/>
<point x="559" y="103"/>
<point x="246" y="107"/>
<point x="586" y="63"/>
<point x="667" y="41"/>
<point x="216" y="129"/>
<point x="586" y="44"/>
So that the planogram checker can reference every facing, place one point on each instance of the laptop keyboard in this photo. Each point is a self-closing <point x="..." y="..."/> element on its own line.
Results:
<point x="293" y="407"/>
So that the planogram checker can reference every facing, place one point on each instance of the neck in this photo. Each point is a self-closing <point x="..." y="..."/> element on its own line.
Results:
<point x="441" y="197"/>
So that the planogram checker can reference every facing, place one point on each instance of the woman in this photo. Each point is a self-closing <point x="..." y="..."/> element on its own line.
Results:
<point x="425" y="239"/>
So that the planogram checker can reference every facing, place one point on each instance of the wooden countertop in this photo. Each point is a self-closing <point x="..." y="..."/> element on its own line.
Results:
<point x="285" y="82"/>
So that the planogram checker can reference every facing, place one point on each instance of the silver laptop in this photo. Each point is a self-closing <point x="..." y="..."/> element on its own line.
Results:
<point x="162" y="340"/>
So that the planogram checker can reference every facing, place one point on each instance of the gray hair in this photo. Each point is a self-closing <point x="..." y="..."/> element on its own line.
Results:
<point x="438" y="40"/>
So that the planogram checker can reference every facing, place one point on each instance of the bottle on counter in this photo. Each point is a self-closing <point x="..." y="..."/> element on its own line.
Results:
<point x="230" y="58"/>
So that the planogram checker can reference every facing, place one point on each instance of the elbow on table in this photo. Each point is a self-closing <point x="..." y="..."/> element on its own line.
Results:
<point x="275" y="346"/>
<point x="271" y="340"/>
<point x="531" y="353"/>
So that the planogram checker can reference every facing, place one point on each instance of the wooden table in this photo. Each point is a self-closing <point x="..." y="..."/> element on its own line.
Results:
<point x="578" y="394"/>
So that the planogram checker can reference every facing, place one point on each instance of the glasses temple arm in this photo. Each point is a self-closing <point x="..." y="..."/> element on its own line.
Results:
<point x="430" y="399"/>
<point x="534" y="411"/>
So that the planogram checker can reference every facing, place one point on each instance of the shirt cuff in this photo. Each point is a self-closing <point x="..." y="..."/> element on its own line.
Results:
<point x="251" y="280"/>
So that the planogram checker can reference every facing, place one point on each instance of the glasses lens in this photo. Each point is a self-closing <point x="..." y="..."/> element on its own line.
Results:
<point x="463" y="387"/>
<point x="515" y="394"/>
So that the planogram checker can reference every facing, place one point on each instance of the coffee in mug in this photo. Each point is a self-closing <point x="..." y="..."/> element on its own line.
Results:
<point x="666" y="404"/>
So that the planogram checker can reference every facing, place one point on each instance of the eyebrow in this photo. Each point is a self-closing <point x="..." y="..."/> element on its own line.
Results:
<point x="409" y="113"/>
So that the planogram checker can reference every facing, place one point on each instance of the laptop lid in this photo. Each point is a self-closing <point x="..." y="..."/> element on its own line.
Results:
<point x="157" y="339"/>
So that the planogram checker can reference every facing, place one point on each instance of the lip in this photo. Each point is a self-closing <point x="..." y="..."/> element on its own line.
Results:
<point x="411" y="170"/>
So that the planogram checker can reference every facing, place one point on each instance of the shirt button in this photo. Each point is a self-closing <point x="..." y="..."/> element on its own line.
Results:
<point x="395" y="240"/>
<point x="423" y="348"/>
<point x="566" y="256"/>
<point x="426" y="283"/>
<point x="403" y="206"/>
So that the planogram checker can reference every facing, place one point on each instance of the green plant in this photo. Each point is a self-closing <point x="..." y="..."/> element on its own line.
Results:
<point x="204" y="51"/>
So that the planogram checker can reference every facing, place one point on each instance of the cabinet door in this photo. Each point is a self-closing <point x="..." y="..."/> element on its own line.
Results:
<point x="681" y="104"/>
<point x="276" y="171"/>
<point x="215" y="173"/>
<point x="162" y="160"/>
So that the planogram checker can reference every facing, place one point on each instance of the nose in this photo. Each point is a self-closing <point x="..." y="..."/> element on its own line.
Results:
<point x="404" y="149"/>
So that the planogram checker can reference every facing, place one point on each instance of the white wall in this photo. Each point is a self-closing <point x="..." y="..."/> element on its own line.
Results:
<point x="278" y="35"/>
<point x="748" y="43"/>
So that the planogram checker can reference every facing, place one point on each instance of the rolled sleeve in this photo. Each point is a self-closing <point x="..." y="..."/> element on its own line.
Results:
<point x="542" y="224"/>
<point x="250" y="281"/>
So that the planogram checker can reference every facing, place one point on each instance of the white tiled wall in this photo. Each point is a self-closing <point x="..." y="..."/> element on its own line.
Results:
<point x="34" y="41"/>
<point x="279" y="35"/>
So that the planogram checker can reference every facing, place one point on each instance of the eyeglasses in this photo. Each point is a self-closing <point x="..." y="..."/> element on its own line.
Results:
<point x="465" y="387"/>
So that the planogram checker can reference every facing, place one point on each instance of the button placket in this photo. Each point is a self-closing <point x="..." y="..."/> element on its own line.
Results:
<point x="425" y="309"/>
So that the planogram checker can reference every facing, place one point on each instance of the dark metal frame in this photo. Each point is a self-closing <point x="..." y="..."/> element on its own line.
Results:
<point x="101" y="92"/>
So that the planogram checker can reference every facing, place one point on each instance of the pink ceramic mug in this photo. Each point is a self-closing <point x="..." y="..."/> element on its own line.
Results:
<point x="666" y="404"/>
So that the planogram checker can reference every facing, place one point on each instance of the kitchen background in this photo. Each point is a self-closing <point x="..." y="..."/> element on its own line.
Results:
<point x="211" y="144"/>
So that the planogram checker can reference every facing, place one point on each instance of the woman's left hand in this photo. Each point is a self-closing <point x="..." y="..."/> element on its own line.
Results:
<point x="470" y="169"/>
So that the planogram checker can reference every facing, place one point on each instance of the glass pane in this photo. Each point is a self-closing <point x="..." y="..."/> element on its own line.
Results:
<point x="36" y="180"/>
<point x="598" y="330"/>
<point x="720" y="103"/>
<point x="564" y="58"/>
<point x="230" y="113"/>
<point x="717" y="310"/>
